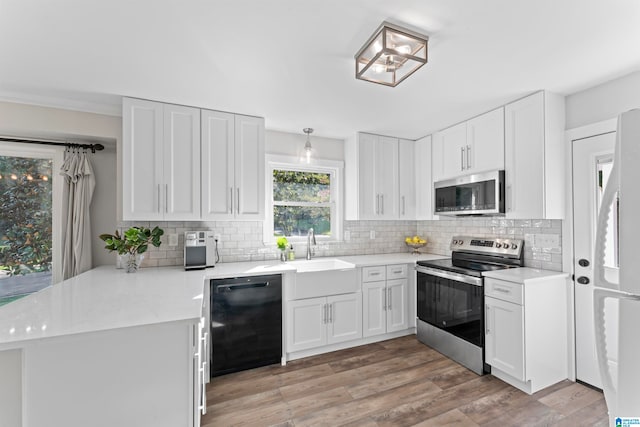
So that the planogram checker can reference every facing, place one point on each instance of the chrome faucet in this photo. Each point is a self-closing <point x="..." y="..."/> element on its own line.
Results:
<point x="310" y="237"/>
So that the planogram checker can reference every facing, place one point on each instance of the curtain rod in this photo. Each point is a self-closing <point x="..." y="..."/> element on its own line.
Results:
<point x="92" y="147"/>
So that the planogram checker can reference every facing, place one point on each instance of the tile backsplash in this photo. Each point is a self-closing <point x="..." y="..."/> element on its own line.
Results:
<point x="242" y="240"/>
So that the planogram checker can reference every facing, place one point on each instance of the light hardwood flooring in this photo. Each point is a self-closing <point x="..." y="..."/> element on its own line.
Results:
<point x="398" y="382"/>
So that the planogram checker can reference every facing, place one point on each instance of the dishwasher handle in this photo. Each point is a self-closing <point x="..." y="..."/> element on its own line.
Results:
<point x="236" y="287"/>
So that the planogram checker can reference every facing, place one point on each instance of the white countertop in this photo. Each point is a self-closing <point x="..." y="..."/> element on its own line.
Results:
<point x="108" y="298"/>
<point x="522" y="274"/>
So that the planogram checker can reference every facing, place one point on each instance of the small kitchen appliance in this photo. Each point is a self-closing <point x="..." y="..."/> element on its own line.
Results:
<point x="200" y="250"/>
<point x="450" y="296"/>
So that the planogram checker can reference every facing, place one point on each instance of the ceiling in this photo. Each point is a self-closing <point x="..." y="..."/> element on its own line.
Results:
<point x="291" y="61"/>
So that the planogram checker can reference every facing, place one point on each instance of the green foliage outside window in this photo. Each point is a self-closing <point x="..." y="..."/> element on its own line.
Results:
<point x="25" y="215"/>
<point x="301" y="201"/>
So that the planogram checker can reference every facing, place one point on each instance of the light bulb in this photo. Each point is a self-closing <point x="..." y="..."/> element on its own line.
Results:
<point x="308" y="156"/>
<point x="404" y="49"/>
<point x="13" y="176"/>
<point x="29" y="178"/>
<point x="378" y="68"/>
<point x="45" y="178"/>
<point x="377" y="47"/>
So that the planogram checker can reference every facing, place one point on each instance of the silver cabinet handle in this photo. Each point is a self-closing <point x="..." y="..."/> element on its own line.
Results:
<point x="504" y="291"/>
<point x="486" y="320"/>
<point x="324" y="313"/>
<point x="330" y="313"/>
<point x="230" y="209"/>
<point x="461" y="158"/>
<point x="389" y="300"/>
<point x="238" y="201"/>
<point x="468" y="157"/>
<point x="382" y="204"/>
<point x="166" y="198"/>
<point x="384" y="300"/>
<point x="397" y="271"/>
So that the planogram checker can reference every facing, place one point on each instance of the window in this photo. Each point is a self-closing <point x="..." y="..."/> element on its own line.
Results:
<point x="28" y="186"/>
<point x="300" y="197"/>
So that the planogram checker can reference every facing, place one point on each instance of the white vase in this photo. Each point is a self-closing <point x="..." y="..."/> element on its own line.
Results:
<point x="131" y="262"/>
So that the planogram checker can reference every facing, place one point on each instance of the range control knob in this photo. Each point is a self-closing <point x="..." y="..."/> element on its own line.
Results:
<point x="514" y="246"/>
<point x="454" y="242"/>
<point x="498" y="245"/>
<point x="460" y="242"/>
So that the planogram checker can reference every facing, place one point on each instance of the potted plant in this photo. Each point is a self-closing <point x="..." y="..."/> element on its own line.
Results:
<point x="283" y="244"/>
<point x="132" y="244"/>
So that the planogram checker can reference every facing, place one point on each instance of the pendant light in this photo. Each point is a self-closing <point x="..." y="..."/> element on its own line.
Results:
<point x="307" y="145"/>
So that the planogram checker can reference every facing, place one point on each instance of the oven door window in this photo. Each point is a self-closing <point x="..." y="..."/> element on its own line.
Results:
<point x="455" y="307"/>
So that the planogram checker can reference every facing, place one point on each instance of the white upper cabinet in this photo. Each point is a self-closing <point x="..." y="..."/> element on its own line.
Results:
<point x="476" y="145"/>
<point x="161" y="168"/>
<point x="232" y="166"/>
<point x="407" y="178"/>
<point x="423" y="179"/>
<point x="372" y="177"/>
<point x="534" y="157"/>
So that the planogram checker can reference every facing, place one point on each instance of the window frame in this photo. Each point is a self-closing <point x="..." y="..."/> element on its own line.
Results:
<point x="56" y="154"/>
<point x="334" y="168"/>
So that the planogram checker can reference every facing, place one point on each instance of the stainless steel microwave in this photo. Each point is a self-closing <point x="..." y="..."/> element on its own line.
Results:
<point x="477" y="194"/>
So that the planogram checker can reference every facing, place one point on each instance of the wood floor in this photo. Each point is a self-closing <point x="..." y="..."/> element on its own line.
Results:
<point x="399" y="382"/>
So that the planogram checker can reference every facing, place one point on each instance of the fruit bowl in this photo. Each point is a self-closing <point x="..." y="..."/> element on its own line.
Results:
<point x="415" y="247"/>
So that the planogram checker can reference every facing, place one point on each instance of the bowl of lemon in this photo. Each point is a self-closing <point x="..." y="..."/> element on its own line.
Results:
<point x="415" y="243"/>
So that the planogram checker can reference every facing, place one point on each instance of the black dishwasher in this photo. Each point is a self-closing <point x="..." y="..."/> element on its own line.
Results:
<point x="246" y="323"/>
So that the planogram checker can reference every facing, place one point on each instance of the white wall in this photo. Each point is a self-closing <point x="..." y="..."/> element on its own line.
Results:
<point x="23" y="120"/>
<point x="603" y="102"/>
<point x="292" y="144"/>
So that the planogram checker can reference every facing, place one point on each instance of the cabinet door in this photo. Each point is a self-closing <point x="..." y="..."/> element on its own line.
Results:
<point x="424" y="180"/>
<point x="218" y="187"/>
<point x="524" y="157"/>
<point x="345" y="318"/>
<point x="485" y="142"/>
<point x="249" y="167"/>
<point x="369" y="199"/>
<point x="142" y="160"/>
<point x="452" y="147"/>
<point x="181" y="163"/>
<point x="407" y="178"/>
<point x="387" y="177"/>
<point x="306" y="324"/>
<point x="374" y="308"/>
<point x="397" y="318"/>
<point x="504" y="337"/>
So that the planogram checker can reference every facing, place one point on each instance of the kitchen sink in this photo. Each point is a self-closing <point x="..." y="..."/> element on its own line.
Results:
<point x="319" y="277"/>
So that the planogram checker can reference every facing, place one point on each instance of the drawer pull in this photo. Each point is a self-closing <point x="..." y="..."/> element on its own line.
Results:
<point x="374" y="274"/>
<point x="504" y="291"/>
<point x="397" y="271"/>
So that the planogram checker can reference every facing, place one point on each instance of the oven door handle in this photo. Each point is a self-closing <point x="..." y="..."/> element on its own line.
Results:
<point x="476" y="281"/>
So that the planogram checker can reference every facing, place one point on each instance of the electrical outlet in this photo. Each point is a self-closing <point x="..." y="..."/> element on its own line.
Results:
<point x="347" y="236"/>
<point x="372" y="234"/>
<point x="173" y="239"/>
<point x="217" y="237"/>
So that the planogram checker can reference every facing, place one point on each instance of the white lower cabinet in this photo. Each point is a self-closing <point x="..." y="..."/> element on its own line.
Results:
<point x="315" y="322"/>
<point x="384" y="299"/>
<point x="526" y="327"/>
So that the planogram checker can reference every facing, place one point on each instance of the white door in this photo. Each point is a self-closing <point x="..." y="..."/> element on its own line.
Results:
<point x="590" y="159"/>
<point x="387" y="177"/>
<point x="181" y="144"/>
<point x="397" y="318"/>
<point x="485" y="142"/>
<point x="504" y="337"/>
<point x="368" y="203"/>
<point x="142" y="154"/>
<point x="345" y="318"/>
<point x="407" y="178"/>
<point x="218" y="187"/>
<point x="374" y="308"/>
<point x="306" y="325"/>
<point x="449" y="159"/>
<point x="249" y="167"/>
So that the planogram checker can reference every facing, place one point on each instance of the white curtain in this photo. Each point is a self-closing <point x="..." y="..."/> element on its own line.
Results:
<point x="76" y="230"/>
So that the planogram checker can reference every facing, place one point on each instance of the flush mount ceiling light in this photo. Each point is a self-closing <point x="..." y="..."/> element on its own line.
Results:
<point x="307" y="145"/>
<point x="391" y="55"/>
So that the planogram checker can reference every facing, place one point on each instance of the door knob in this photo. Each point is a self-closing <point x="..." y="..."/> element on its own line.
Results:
<point x="583" y="280"/>
<point x="583" y="262"/>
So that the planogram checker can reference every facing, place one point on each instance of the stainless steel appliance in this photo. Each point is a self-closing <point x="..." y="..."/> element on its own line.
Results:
<point x="246" y="323"/>
<point x="450" y="296"/>
<point x="200" y="250"/>
<point x="477" y="194"/>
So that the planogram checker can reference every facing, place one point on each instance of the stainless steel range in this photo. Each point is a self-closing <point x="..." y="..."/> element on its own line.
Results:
<point x="450" y="296"/>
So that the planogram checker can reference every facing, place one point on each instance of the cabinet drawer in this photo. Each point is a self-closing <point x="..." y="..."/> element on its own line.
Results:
<point x="506" y="291"/>
<point x="398" y="271"/>
<point x="374" y="274"/>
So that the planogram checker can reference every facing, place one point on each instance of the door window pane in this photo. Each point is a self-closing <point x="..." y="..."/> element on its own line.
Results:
<point x="25" y="226"/>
